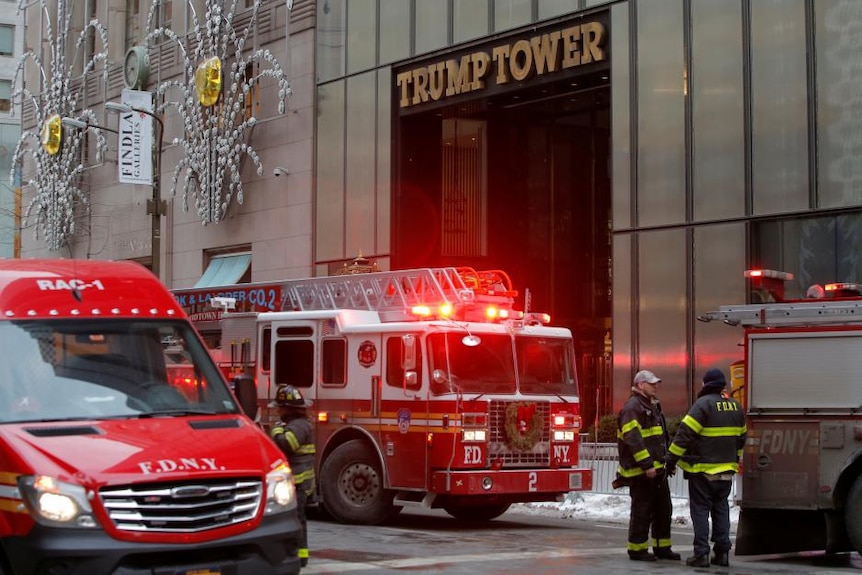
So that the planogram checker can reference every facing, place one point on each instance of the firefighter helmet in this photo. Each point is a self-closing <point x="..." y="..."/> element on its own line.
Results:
<point x="288" y="396"/>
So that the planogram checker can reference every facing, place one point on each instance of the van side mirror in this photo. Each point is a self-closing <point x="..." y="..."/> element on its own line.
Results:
<point x="408" y="353"/>
<point x="246" y="394"/>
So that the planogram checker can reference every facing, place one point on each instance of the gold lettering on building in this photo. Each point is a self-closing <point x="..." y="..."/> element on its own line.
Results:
<point x="519" y="60"/>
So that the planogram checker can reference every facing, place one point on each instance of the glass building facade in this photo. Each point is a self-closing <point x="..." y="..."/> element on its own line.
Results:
<point x="715" y="136"/>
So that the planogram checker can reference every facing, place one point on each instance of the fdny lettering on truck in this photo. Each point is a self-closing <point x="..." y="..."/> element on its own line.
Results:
<point x="786" y="442"/>
<point x="181" y="464"/>
<point x="70" y="285"/>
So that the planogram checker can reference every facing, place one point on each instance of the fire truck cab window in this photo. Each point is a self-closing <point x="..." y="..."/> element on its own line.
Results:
<point x="333" y="361"/>
<point x="394" y="369"/>
<point x="545" y="365"/>
<point x="488" y="367"/>
<point x="294" y="362"/>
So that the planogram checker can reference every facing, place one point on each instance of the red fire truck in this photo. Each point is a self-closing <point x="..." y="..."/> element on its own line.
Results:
<point x="429" y="389"/>
<point x="122" y="449"/>
<point x="801" y="480"/>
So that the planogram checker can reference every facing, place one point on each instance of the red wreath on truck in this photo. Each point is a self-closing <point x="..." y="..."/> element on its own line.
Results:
<point x="523" y="425"/>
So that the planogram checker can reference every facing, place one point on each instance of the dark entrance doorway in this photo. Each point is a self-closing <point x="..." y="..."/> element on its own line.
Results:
<point x="519" y="182"/>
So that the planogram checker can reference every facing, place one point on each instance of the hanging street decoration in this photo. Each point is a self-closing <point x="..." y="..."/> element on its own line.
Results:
<point x="215" y="103"/>
<point x="53" y="149"/>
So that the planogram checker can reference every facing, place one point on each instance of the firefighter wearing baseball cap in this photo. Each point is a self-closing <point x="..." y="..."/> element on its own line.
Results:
<point x="294" y="436"/>
<point x="642" y="441"/>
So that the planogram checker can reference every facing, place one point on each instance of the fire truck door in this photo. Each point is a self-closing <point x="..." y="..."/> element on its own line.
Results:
<point x="403" y="411"/>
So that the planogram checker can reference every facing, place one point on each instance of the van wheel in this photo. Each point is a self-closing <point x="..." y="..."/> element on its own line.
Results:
<point x="478" y="512"/>
<point x="352" y="486"/>
<point x="853" y="515"/>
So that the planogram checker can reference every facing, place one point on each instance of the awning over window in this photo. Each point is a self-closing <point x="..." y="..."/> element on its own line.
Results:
<point x="224" y="270"/>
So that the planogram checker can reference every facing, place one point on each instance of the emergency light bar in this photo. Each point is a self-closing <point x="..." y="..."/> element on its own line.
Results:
<point x="772" y="274"/>
<point x="843" y="289"/>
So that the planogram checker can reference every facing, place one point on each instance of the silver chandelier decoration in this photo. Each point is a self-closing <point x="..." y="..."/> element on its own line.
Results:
<point x="213" y="104"/>
<point x="55" y="151"/>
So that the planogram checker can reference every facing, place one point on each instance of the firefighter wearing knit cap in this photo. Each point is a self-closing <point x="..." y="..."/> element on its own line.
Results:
<point x="295" y="437"/>
<point x="707" y="447"/>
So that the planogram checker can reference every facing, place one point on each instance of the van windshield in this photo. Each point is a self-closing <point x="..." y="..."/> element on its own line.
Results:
<point x="97" y="369"/>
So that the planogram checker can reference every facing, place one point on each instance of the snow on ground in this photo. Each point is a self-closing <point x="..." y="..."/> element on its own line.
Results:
<point x="610" y="508"/>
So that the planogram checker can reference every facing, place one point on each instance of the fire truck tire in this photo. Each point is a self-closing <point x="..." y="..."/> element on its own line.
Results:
<point x="353" y="489"/>
<point x="478" y="512"/>
<point x="853" y="515"/>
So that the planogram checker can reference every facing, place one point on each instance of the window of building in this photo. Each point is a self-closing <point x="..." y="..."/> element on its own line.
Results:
<point x="5" y="95"/>
<point x="252" y="99"/>
<point x="816" y="250"/>
<point x="133" y="9"/>
<point x="165" y="14"/>
<point x="226" y="269"/>
<point x="465" y="188"/>
<point x="7" y="40"/>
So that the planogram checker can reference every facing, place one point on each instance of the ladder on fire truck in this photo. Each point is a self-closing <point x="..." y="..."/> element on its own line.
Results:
<point x="799" y="312"/>
<point x="394" y="293"/>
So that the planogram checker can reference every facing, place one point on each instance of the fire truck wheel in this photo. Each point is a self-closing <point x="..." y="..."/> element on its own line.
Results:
<point x="353" y="488"/>
<point x="478" y="512"/>
<point x="853" y="515"/>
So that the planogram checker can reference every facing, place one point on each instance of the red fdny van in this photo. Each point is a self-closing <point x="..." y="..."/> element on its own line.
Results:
<point x="111" y="464"/>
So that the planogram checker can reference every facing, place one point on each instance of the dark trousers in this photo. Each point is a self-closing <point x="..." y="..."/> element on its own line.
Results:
<point x="651" y="509"/>
<point x="301" y="502"/>
<point x="708" y="498"/>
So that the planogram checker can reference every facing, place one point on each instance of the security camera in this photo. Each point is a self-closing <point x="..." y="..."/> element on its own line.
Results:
<point x="280" y="172"/>
<point x="224" y="303"/>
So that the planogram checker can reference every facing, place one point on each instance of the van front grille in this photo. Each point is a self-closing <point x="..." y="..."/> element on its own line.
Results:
<point x="182" y="507"/>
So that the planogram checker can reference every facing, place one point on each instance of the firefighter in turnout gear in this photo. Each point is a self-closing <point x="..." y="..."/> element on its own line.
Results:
<point x="642" y="440"/>
<point x="708" y="446"/>
<point x="294" y="436"/>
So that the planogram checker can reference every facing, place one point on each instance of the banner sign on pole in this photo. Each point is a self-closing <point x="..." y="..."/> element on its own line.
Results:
<point x="135" y="161"/>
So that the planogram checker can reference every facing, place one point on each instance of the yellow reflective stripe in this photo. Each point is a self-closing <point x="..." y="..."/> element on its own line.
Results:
<point x="303" y="553"/>
<point x="722" y="431"/>
<point x="633" y="472"/>
<point x="634" y="423"/>
<point x="291" y="439"/>
<point x="641" y="455"/>
<point x="709" y="468"/>
<point x="692" y="423"/>
<point x="276" y="431"/>
<point x="661" y="543"/>
<point x="307" y="449"/>
<point x="638" y="546"/>
<point x="677" y="450"/>
<point x="652" y="431"/>
<point x="304" y="476"/>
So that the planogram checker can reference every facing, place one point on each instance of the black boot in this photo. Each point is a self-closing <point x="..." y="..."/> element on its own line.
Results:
<point x="720" y="558"/>
<point x="642" y="555"/>
<point x="666" y="553"/>
<point x="698" y="561"/>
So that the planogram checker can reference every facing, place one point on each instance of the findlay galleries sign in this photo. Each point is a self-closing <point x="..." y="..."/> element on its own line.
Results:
<point x="136" y="139"/>
<point x="517" y="60"/>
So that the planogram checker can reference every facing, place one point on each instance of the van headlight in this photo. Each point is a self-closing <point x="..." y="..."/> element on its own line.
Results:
<point x="280" y="491"/>
<point x="56" y="503"/>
